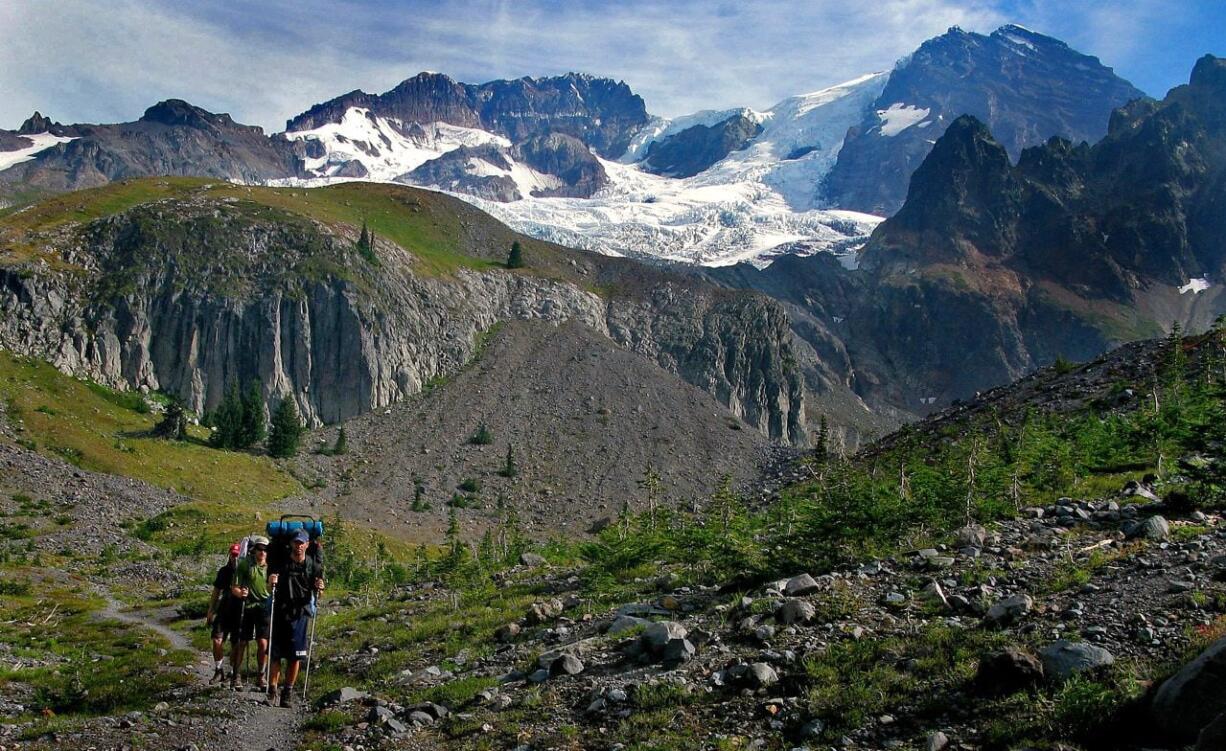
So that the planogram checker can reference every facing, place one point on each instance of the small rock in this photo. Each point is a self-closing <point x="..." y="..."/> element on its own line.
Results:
<point x="796" y="611"/>
<point x="761" y="675"/>
<point x="1009" y="610"/>
<point x="1062" y="659"/>
<point x="937" y="741"/>
<point x="799" y="586"/>
<point x="566" y="665"/>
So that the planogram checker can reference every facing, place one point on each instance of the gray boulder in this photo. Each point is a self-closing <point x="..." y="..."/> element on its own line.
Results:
<point x="531" y="559"/>
<point x="799" y="586"/>
<point x="566" y="665"/>
<point x="344" y="695"/>
<point x="1007" y="671"/>
<point x="1152" y="528"/>
<point x="1192" y="698"/>
<point x="761" y="675"/>
<point x="623" y="623"/>
<point x="1009" y="610"/>
<point x="1062" y="659"/>
<point x="796" y="611"/>
<point x="658" y="635"/>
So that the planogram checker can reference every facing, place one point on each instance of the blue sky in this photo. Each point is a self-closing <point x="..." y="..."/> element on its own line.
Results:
<point x="89" y="61"/>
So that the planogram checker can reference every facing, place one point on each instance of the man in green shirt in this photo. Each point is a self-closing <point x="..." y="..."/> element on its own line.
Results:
<point x="250" y="587"/>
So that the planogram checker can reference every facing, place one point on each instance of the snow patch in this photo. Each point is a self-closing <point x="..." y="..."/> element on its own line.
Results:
<point x="41" y="142"/>
<point x="898" y="117"/>
<point x="1196" y="286"/>
<point x="385" y="146"/>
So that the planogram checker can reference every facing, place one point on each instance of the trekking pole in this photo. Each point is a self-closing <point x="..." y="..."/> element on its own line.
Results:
<point x="306" y="680"/>
<point x="272" y="608"/>
<point x="238" y="637"/>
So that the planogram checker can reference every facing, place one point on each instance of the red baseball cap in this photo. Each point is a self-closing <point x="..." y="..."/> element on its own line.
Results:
<point x="235" y="549"/>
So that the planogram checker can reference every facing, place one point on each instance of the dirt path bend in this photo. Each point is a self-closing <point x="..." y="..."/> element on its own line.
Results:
<point x="245" y="722"/>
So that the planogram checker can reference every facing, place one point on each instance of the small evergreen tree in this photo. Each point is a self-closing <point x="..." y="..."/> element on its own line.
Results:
<point x="173" y="424"/>
<point x="483" y="436"/>
<point x="341" y="447"/>
<point x="366" y="244"/>
<point x="286" y="430"/>
<point x="821" y="444"/>
<point x="253" y="426"/>
<point x="515" y="259"/>
<point x="509" y="469"/>
<point x="227" y="420"/>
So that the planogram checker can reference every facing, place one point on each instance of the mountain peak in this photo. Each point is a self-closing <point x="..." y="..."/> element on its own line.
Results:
<point x="36" y="123"/>
<point x="1209" y="72"/>
<point x="179" y="112"/>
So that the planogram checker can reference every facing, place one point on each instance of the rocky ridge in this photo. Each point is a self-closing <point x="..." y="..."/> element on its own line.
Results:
<point x="1026" y="86"/>
<point x="196" y="294"/>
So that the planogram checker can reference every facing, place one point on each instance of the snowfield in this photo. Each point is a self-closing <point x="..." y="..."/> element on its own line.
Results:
<point x="752" y="206"/>
<point x="41" y="142"/>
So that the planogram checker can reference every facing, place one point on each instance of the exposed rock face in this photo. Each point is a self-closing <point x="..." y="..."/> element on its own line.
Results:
<point x="452" y="171"/>
<point x="193" y="296"/>
<point x="568" y="159"/>
<point x="601" y="113"/>
<point x="991" y="270"/>
<point x="1190" y="700"/>
<point x="1027" y="87"/>
<point x="694" y="149"/>
<point x="172" y="138"/>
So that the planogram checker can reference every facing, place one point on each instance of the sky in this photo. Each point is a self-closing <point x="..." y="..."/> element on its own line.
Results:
<point x="264" y="61"/>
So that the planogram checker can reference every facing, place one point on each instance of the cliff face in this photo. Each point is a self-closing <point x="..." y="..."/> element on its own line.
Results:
<point x="192" y="296"/>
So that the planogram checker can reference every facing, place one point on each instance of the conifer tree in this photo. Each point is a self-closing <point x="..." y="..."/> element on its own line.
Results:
<point x="341" y="446"/>
<point x="173" y="424"/>
<point x="253" y="427"/>
<point x="227" y="420"/>
<point x="286" y="430"/>
<point x="509" y="469"/>
<point x="515" y="259"/>
<point x="821" y="445"/>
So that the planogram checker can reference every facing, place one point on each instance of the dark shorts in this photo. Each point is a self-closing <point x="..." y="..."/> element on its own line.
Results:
<point x="289" y="639"/>
<point x="225" y="620"/>
<point x="254" y="625"/>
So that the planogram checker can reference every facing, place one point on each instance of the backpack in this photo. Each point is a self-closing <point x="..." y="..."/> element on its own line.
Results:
<point x="281" y="531"/>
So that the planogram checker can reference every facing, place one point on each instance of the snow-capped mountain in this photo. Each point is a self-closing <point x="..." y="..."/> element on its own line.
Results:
<point x="578" y="160"/>
<point x="756" y="201"/>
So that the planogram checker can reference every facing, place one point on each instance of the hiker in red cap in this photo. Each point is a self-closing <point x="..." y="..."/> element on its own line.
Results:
<point x="218" y="614"/>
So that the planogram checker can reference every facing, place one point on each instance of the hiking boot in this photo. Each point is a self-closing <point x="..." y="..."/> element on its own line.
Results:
<point x="219" y="675"/>
<point x="287" y="698"/>
<point x="272" y="696"/>
<point x="236" y="681"/>
<point x="260" y="685"/>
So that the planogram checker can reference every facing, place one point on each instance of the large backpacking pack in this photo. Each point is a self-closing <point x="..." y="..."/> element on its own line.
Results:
<point x="281" y="531"/>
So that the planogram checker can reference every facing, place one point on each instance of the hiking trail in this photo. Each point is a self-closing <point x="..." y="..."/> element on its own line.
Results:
<point x="245" y="721"/>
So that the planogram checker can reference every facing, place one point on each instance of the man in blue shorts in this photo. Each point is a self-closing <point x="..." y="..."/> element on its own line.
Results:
<point x="295" y="584"/>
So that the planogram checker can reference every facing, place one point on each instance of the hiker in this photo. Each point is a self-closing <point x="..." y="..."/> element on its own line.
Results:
<point x="250" y="589"/>
<point x="295" y="584"/>
<point x="217" y="617"/>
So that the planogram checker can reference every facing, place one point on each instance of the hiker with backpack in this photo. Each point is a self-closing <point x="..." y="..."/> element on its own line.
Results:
<point x="295" y="582"/>
<point x="250" y="589"/>
<point x="219" y="617"/>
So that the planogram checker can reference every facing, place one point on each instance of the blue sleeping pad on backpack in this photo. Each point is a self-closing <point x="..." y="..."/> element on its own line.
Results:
<point x="288" y="528"/>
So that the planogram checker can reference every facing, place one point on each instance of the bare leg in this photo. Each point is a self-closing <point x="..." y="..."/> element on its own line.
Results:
<point x="292" y="675"/>
<point x="261" y="656"/>
<point x="236" y="656"/>
<point x="219" y="643"/>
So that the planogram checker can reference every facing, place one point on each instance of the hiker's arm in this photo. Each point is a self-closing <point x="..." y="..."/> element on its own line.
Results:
<point x="208" y="618"/>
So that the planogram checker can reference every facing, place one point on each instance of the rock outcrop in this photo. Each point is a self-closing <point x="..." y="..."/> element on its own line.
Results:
<point x="192" y="295"/>
<point x="696" y="148"/>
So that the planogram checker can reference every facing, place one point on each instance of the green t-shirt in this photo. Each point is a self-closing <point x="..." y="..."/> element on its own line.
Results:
<point x="254" y="578"/>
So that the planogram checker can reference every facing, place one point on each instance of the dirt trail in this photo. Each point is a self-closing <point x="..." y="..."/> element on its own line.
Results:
<point x="245" y="721"/>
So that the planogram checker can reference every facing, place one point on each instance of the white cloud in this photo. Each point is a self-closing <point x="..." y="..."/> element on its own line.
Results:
<point x="78" y="60"/>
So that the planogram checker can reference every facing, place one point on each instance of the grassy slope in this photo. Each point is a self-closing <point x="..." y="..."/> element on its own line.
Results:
<point x="98" y="430"/>
<point x="407" y="217"/>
